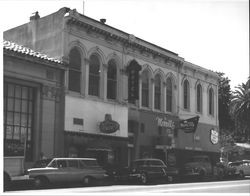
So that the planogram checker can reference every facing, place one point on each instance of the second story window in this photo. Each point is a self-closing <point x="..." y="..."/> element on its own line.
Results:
<point x="94" y="76"/>
<point x="199" y="98"/>
<point x="211" y="101"/>
<point x="157" y="92"/>
<point x="112" y="80"/>
<point x="169" y="96"/>
<point x="145" y="89"/>
<point x="186" y="94"/>
<point x="74" y="70"/>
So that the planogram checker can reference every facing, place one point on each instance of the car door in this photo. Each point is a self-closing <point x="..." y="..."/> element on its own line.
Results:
<point x="61" y="174"/>
<point x="74" y="171"/>
<point x="246" y="167"/>
<point x="155" y="168"/>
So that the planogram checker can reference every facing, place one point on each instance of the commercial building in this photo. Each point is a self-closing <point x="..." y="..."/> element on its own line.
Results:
<point x="33" y="106"/>
<point x="125" y="97"/>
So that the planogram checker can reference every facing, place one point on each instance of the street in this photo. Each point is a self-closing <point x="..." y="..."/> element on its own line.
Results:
<point x="231" y="187"/>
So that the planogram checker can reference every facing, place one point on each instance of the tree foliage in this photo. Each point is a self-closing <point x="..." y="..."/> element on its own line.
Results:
<point x="225" y="95"/>
<point x="240" y="108"/>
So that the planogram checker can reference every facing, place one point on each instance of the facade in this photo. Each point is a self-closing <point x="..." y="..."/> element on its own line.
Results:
<point x="33" y="106"/>
<point x="124" y="96"/>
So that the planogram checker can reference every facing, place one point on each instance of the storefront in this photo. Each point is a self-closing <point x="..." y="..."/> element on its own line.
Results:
<point x="153" y="135"/>
<point x="96" y="129"/>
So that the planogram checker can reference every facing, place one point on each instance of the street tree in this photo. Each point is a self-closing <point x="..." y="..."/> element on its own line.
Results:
<point x="240" y="110"/>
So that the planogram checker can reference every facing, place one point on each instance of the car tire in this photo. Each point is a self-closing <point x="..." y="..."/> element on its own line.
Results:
<point x="144" y="178"/>
<point x="241" y="174"/>
<point x="88" y="181"/>
<point x="201" y="175"/>
<point x="40" y="182"/>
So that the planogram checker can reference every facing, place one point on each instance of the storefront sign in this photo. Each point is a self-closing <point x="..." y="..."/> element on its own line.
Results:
<point x="162" y="122"/>
<point x="109" y="125"/>
<point x="189" y="125"/>
<point x="214" y="136"/>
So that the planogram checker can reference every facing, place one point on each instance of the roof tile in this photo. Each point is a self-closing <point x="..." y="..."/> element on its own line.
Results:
<point x="8" y="45"/>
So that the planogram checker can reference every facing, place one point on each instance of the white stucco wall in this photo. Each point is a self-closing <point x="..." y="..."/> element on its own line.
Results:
<point x="93" y="112"/>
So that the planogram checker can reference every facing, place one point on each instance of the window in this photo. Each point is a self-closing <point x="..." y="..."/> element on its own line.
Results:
<point x="145" y="89"/>
<point x="199" y="98"/>
<point x="62" y="163"/>
<point x="112" y="80"/>
<point x="73" y="163"/>
<point x="211" y="101"/>
<point x="94" y="75"/>
<point x="157" y="92"/>
<point x="74" y="70"/>
<point x="18" y="120"/>
<point x="169" y="96"/>
<point x="186" y="93"/>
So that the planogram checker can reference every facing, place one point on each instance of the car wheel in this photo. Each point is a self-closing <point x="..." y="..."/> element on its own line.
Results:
<point x="87" y="181"/>
<point x="241" y="174"/>
<point x="40" y="182"/>
<point x="144" y="178"/>
<point x="201" y="175"/>
<point x="170" y="179"/>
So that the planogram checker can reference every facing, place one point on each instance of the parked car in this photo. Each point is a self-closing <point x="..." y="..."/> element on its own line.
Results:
<point x="198" y="166"/>
<point x="66" y="170"/>
<point x="224" y="170"/>
<point x="242" y="168"/>
<point x="145" y="170"/>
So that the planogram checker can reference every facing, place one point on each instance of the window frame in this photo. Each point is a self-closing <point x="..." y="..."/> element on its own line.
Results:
<point x="145" y="89"/>
<point x="157" y="92"/>
<point x="112" y="83"/>
<point x="186" y="95"/>
<point x="75" y="70"/>
<point x="169" y="95"/>
<point x="199" y="98"/>
<point x="94" y="88"/>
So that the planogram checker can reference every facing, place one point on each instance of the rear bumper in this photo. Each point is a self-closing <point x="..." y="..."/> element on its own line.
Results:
<point x="24" y="177"/>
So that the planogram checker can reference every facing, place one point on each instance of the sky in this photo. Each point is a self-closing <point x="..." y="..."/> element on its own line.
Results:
<point x="213" y="34"/>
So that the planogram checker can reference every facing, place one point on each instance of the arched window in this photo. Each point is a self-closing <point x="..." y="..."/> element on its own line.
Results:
<point x="94" y="75"/>
<point x="169" y="96"/>
<point x="186" y="94"/>
<point x="211" y="102"/>
<point x="74" y="70"/>
<point x="199" y="98"/>
<point x="145" y="89"/>
<point x="158" y="92"/>
<point x="112" y="80"/>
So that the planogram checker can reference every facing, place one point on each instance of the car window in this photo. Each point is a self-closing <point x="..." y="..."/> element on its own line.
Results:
<point x="155" y="163"/>
<point x="61" y="163"/>
<point x="73" y="163"/>
<point x="53" y="164"/>
<point x="41" y="163"/>
<point x="88" y="163"/>
<point x="138" y="163"/>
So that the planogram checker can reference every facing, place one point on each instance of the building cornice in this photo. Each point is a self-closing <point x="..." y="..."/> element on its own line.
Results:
<point x="127" y="40"/>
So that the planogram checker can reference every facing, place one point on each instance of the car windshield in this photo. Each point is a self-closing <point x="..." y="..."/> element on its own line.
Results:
<point x="137" y="163"/>
<point x="89" y="163"/>
<point x="42" y="163"/>
<point x="155" y="163"/>
<point x="235" y="163"/>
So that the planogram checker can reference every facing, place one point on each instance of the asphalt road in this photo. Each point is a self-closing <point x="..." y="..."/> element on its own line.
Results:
<point x="196" y="188"/>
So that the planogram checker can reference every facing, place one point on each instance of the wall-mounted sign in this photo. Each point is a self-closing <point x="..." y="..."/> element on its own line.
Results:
<point x="189" y="125"/>
<point x="109" y="125"/>
<point x="214" y="136"/>
<point x="167" y="123"/>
